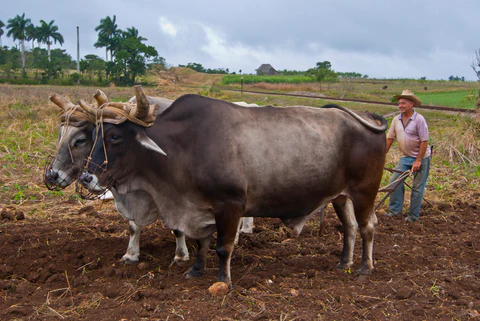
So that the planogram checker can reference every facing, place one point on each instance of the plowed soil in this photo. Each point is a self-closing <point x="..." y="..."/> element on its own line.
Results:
<point x="64" y="265"/>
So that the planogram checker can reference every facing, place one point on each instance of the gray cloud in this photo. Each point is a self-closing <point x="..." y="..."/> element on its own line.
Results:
<point x="384" y="39"/>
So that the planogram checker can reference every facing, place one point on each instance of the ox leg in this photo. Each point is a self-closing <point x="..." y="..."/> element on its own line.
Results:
<point x="245" y="226"/>
<point x="181" y="251"/>
<point x="133" y="249"/>
<point x="227" y="221"/>
<point x="367" y="220"/>
<point x="344" y="208"/>
<point x="322" y="220"/>
<point x="198" y="267"/>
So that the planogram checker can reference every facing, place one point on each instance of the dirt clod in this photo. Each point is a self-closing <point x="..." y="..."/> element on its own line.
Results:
<point x="218" y="288"/>
<point x="5" y="270"/>
<point x="86" y="210"/>
<point x="11" y="214"/>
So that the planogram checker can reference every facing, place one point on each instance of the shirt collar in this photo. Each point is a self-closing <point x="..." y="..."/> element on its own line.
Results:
<point x="412" y="118"/>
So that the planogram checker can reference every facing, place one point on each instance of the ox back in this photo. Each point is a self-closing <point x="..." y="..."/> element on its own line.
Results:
<point x="225" y="161"/>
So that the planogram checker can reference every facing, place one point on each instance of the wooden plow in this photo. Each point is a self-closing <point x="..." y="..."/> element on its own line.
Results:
<point x="391" y="187"/>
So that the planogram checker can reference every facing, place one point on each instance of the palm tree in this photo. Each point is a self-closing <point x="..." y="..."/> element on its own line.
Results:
<point x="48" y="32"/>
<point x="102" y="42"/>
<point x="132" y="32"/>
<point x="1" y="32"/>
<point x="31" y="33"/>
<point x="107" y="31"/>
<point x="17" y="29"/>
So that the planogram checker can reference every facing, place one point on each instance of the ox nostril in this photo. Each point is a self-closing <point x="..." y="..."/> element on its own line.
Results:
<point x="52" y="176"/>
<point x="86" y="178"/>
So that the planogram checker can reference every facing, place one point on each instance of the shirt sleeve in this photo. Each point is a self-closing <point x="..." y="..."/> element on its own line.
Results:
<point x="391" y="131"/>
<point x="422" y="129"/>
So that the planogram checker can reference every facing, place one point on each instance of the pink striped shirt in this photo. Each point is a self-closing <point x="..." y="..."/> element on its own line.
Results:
<point x="410" y="136"/>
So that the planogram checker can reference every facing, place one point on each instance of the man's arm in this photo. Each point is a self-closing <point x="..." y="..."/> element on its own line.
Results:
<point x="389" y="143"/>
<point x="421" y="153"/>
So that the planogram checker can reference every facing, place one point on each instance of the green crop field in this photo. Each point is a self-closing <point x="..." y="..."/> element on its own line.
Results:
<point x="438" y="93"/>
<point x="252" y="79"/>
<point x="459" y="99"/>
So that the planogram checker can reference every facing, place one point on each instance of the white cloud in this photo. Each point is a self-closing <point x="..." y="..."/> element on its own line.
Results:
<point x="167" y="27"/>
<point x="231" y="55"/>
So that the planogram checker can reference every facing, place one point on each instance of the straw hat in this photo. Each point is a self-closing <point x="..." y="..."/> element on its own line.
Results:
<point x="407" y="94"/>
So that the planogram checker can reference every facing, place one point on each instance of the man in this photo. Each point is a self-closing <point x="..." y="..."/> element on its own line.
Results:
<point x="411" y="131"/>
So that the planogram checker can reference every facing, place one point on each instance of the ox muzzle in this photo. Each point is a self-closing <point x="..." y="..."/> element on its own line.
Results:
<point x="88" y="184"/>
<point x="52" y="179"/>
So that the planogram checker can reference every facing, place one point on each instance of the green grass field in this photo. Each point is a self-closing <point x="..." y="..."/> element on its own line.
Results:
<point x="252" y="79"/>
<point x="438" y="93"/>
<point x="459" y="99"/>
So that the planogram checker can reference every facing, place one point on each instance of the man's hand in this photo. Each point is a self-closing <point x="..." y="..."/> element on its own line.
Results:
<point x="416" y="166"/>
<point x="421" y="153"/>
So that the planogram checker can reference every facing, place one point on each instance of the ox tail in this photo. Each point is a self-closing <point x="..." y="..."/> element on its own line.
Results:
<point x="381" y="126"/>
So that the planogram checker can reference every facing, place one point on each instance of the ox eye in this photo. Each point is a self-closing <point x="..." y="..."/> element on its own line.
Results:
<point x="79" y="142"/>
<point x="115" y="139"/>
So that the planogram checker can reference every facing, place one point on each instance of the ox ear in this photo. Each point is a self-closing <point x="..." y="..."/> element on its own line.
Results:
<point x="146" y="142"/>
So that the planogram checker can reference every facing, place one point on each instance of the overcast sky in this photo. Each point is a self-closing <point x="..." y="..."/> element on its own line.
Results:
<point x="378" y="38"/>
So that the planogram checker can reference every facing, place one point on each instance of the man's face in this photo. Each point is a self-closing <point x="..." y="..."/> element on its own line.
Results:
<point x="405" y="106"/>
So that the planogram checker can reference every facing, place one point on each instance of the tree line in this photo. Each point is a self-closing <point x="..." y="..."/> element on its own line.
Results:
<point x="126" y="54"/>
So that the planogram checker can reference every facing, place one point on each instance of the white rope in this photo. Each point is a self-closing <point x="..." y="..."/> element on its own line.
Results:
<point x="399" y="178"/>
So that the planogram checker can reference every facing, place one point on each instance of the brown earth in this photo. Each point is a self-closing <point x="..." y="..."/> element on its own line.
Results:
<point x="64" y="265"/>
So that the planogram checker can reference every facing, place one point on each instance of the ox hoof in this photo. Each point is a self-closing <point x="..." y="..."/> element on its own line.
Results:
<point x="179" y="261"/>
<point x="363" y="278"/>
<point x="364" y="271"/>
<point x="129" y="260"/>
<point x="344" y="266"/>
<point x="366" y="268"/>
<point x="192" y="273"/>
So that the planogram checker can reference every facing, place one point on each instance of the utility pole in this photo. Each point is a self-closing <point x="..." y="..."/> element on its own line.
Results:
<point x="78" y="51"/>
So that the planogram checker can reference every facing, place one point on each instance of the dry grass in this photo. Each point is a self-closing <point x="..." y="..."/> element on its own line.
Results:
<point x="304" y="87"/>
<point x="29" y="128"/>
<point x="187" y="76"/>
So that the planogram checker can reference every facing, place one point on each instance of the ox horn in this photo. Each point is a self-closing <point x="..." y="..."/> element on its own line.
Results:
<point x="89" y="109"/>
<point x="143" y="107"/>
<point x="100" y="97"/>
<point x="123" y="106"/>
<point x="61" y="102"/>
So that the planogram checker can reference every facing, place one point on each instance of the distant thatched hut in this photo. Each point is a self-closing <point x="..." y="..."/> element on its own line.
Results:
<point x="266" y="69"/>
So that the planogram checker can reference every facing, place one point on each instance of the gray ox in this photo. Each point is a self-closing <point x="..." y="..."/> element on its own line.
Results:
<point x="75" y="144"/>
<point x="224" y="162"/>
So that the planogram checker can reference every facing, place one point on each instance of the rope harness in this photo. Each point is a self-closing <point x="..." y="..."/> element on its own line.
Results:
<point x="76" y="117"/>
<point x="401" y="178"/>
<point x="142" y="114"/>
<point x="75" y="113"/>
<point x="115" y="113"/>
<point x="392" y="186"/>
